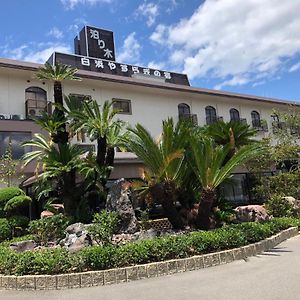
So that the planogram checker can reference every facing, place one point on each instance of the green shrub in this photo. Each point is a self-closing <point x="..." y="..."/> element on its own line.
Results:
<point x="104" y="226"/>
<point x="17" y="202"/>
<point x="277" y="206"/>
<point x="8" y="193"/>
<point x="109" y="256"/>
<point x="5" y="230"/>
<point x="49" y="229"/>
<point x="18" y="224"/>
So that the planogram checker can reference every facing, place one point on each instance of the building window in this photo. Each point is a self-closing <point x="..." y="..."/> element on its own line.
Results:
<point x="255" y="117"/>
<point x="183" y="110"/>
<point x="122" y="105"/>
<point x="15" y="139"/>
<point x="211" y="115"/>
<point x="234" y="115"/>
<point x="36" y="101"/>
<point x="35" y="93"/>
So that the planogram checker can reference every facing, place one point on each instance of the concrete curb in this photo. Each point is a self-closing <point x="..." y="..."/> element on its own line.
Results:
<point x="112" y="276"/>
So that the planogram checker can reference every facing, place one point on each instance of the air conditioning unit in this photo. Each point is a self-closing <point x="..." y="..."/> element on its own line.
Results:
<point x="34" y="112"/>
<point x="16" y="117"/>
<point x="4" y="117"/>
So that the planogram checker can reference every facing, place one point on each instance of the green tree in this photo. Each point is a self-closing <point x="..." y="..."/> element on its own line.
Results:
<point x="60" y="163"/>
<point x="100" y="125"/>
<point x="163" y="159"/>
<point x="57" y="74"/>
<point x="233" y="133"/>
<point x="211" y="166"/>
<point x="8" y="166"/>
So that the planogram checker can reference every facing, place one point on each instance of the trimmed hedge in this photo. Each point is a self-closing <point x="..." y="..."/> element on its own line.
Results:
<point x="8" y="193"/>
<point x="55" y="261"/>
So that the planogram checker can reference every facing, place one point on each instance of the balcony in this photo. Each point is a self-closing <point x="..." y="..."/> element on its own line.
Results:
<point x="189" y="117"/>
<point x="260" y="125"/>
<point x="36" y="108"/>
<point x="213" y="119"/>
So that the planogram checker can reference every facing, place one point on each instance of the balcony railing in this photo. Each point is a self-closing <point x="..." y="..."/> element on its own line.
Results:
<point x="260" y="125"/>
<point x="213" y="119"/>
<point x="189" y="117"/>
<point x="36" y="108"/>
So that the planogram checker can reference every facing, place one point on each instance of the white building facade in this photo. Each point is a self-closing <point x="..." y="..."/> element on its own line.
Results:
<point x="147" y="99"/>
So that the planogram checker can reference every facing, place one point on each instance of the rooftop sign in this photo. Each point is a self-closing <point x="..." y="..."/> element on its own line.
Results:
<point x="95" y="51"/>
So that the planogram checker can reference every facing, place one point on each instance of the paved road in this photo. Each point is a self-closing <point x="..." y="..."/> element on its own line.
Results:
<point x="270" y="276"/>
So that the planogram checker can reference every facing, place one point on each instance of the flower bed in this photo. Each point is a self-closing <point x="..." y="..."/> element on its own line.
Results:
<point x="58" y="261"/>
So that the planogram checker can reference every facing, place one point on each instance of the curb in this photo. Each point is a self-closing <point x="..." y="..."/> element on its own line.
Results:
<point x="112" y="276"/>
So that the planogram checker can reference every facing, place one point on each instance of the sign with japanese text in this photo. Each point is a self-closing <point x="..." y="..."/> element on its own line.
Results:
<point x="95" y="42"/>
<point x="111" y="67"/>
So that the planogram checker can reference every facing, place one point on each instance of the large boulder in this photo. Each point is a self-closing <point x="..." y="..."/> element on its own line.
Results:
<point x="77" y="237"/>
<point x="251" y="213"/>
<point x="118" y="200"/>
<point x="23" y="246"/>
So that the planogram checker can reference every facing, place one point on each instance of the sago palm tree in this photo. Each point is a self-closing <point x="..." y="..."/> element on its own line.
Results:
<point x="57" y="74"/>
<point x="60" y="163"/>
<point x="211" y="167"/>
<point x="233" y="133"/>
<point x="100" y="125"/>
<point x="163" y="159"/>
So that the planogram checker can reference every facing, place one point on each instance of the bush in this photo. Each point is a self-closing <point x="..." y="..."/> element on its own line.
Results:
<point x="277" y="206"/>
<point x="104" y="226"/>
<point x="18" y="224"/>
<point x="9" y="192"/>
<point x="49" y="229"/>
<point x="109" y="256"/>
<point x="5" y="230"/>
<point x="17" y="202"/>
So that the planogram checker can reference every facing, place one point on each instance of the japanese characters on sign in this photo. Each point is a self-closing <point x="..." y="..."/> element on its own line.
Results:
<point x="95" y="51"/>
<point x="112" y="67"/>
<point x="99" y="64"/>
<point x="95" y="42"/>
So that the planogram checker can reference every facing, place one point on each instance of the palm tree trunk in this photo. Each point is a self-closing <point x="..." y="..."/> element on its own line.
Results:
<point x="69" y="197"/>
<point x="62" y="136"/>
<point x="206" y="204"/>
<point x="101" y="151"/>
<point x="163" y="193"/>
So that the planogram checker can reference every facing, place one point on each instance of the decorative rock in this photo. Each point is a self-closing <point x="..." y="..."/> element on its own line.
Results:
<point x="118" y="200"/>
<point x="76" y="228"/>
<point x="149" y="234"/>
<point x="77" y="237"/>
<point x="23" y="246"/>
<point x="251" y="213"/>
<point x="293" y="202"/>
<point x="46" y="214"/>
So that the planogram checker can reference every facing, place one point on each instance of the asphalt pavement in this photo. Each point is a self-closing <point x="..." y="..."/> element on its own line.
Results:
<point x="270" y="276"/>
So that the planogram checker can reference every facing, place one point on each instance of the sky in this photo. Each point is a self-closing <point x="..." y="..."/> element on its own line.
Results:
<point x="244" y="46"/>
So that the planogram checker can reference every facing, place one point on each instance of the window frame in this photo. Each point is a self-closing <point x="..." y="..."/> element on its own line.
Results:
<point x="233" y="111"/>
<point x="9" y="133"/>
<point x="128" y="101"/>
<point x="211" y="117"/>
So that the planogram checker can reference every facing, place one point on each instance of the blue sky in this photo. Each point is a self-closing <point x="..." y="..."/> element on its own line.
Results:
<point x="245" y="46"/>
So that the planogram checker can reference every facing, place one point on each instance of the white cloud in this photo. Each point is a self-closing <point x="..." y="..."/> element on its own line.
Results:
<point x="294" y="67"/>
<point x="56" y="33"/>
<point x="149" y="10"/>
<point x="158" y="35"/>
<point x="236" y="41"/>
<point x="70" y="4"/>
<point x="130" y="52"/>
<point x="35" y="53"/>
<point x="236" y="80"/>
<point x="156" y="65"/>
